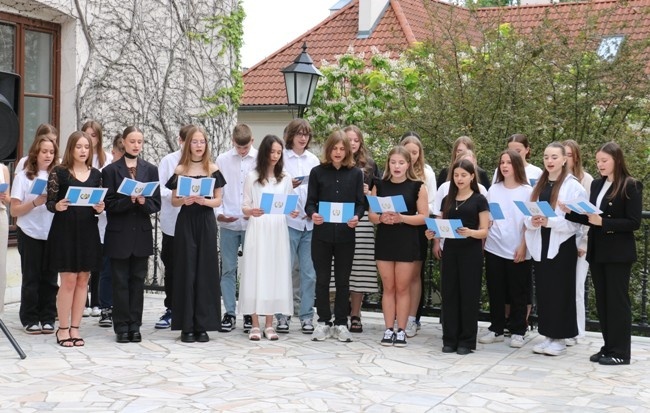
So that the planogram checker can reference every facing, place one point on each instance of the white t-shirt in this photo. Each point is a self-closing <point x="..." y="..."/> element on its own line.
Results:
<point x="168" y="212"/>
<point x="36" y="223"/>
<point x="300" y="165"/>
<point x="505" y="235"/>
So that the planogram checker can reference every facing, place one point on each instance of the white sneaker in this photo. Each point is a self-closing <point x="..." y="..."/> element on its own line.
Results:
<point x="491" y="337"/>
<point x="95" y="312"/>
<point x="341" y="333"/>
<point x="411" y="329"/>
<point x="321" y="332"/>
<point x="571" y="341"/>
<point x="539" y="349"/>
<point x="517" y="341"/>
<point x="556" y="348"/>
<point x="87" y="312"/>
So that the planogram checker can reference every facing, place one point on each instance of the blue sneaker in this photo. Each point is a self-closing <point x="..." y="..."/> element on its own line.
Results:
<point x="165" y="321"/>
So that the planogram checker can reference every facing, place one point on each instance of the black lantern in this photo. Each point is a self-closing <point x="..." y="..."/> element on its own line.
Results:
<point x="300" y="80"/>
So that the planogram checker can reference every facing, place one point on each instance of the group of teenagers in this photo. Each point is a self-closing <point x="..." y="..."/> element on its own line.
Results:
<point x="292" y="262"/>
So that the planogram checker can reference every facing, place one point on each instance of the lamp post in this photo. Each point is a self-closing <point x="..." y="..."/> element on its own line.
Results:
<point x="300" y="80"/>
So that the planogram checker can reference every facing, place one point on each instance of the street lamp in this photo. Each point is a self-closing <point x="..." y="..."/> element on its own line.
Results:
<point x="300" y="80"/>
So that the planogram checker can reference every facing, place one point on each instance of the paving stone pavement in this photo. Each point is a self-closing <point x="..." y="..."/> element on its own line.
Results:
<point x="294" y="374"/>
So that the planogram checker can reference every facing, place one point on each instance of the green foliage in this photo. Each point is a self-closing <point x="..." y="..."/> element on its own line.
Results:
<point x="229" y="30"/>
<point x="548" y="83"/>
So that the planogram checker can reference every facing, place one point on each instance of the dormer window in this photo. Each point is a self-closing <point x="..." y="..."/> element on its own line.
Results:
<point x="609" y="47"/>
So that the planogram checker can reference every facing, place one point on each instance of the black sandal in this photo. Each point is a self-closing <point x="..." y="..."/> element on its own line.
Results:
<point x="77" y="340"/>
<point x="63" y="342"/>
<point x="355" y="324"/>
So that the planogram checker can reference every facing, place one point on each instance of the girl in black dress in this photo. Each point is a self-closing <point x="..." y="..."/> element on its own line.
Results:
<point x="397" y="246"/>
<point x="611" y="250"/>
<point x="74" y="249"/>
<point x="196" y="305"/>
<point x="462" y="259"/>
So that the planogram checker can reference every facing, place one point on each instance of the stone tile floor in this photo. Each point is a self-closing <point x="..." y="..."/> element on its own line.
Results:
<point x="231" y="373"/>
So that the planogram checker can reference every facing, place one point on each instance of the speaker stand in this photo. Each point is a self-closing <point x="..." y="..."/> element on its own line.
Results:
<point x="12" y="340"/>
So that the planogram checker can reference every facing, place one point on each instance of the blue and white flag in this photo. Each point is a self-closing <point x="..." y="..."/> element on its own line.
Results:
<point x="83" y="196"/>
<point x="302" y="179"/>
<point x="532" y="209"/>
<point x="38" y="187"/>
<point x="381" y="204"/>
<point x="582" y="206"/>
<point x="195" y="186"/>
<point x="495" y="211"/>
<point x="444" y="228"/>
<point x="131" y="187"/>
<point x="4" y="186"/>
<point x="336" y="212"/>
<point x="278" y="203"/>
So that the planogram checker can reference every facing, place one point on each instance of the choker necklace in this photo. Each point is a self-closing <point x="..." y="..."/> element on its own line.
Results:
<point x="129" y="156"/>
<point x="199" y="161"/>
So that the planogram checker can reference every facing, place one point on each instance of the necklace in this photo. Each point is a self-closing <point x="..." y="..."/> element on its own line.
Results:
<point x="461" y="204"/>
<point x="199" y="161"/>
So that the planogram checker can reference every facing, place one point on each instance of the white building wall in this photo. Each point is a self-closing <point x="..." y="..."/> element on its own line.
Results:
<point x="128" y="62"/>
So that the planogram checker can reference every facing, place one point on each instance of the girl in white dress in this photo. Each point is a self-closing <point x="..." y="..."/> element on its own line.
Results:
<point x="265" y="285"/>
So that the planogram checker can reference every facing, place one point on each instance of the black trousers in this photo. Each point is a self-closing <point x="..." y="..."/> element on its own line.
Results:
<point x="322" y="254"/>
<point x="128" y="292"/>
<point x="39" y="285"/>
<point x="611" y="285"/>
<point x="167" y="257"/>
<point x="507" y="281"/>
<point x="462" y="270"/>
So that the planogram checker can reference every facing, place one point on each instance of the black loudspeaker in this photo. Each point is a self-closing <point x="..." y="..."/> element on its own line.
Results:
<point x="9" y="108"/>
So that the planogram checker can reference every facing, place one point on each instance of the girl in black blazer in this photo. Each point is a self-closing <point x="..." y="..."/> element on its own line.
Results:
<point x="129" y="241"/>
<point x="611" y="250"/>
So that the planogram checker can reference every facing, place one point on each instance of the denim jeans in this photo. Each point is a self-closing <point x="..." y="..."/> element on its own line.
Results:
<point x="300" y="243"/>
<point x="229" y="244"/>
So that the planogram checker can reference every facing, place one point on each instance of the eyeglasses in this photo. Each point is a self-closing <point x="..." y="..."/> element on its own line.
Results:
<point x="198" y="143"/>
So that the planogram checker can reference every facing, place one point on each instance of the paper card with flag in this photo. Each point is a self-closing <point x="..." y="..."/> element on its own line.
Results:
<point x="444" y="228"/>
<point x="131" y="187"/>
<point x="195" y="186"/>
<point x="336" y="212"/>
<point x="496" y="212"/>
<point x="582" y="206"/>
<point x="38" y="187"/>
<point x="303" y="179"/>
<point x="278" y="203"/>
<point x="82" y="196"/>
<point x="381" y="204"/>
<point x="4" y="186"/>
<point x="532" y="209"/>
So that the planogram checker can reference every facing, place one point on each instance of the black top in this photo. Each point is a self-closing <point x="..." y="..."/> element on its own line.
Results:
<point x="220" y="181"/>
<point x="614" y="240"/>
<point x="328" y="184"/>
<point x="468" y="212"/>
<point x="483" y="178"/>
<point x="128" y="228"/>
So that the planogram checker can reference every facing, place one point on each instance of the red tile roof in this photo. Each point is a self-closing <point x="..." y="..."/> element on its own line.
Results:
<point x="407" y="21"/>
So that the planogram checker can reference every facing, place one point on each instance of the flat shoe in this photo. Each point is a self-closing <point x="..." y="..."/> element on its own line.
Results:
<point x="255" y="334"/>
<point x="202" y="336"/>
<point x="270" y="333"/>
<point x="122" y="337"/>
<point x="188" y="337"/>
<point x="448" y="349"/>
<point x="613" y="361"/>
<point x="595" y="358"/>
<point x="135" y="337"/>
<point x="463" y="351"/>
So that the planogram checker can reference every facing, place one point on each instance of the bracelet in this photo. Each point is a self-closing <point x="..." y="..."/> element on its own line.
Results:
<point x="34" y="203"/>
